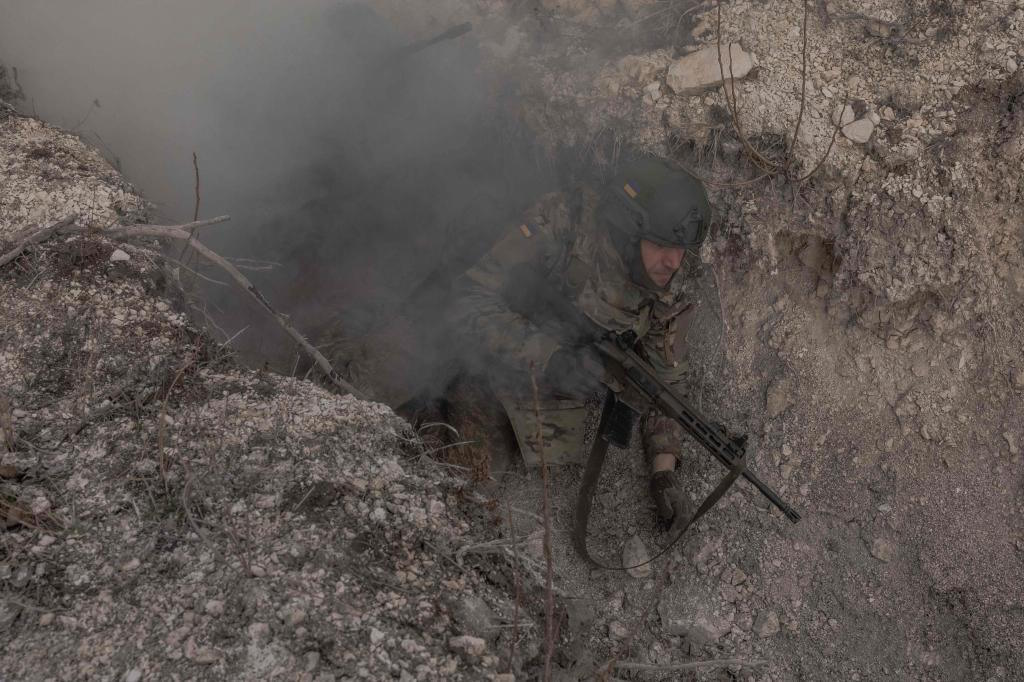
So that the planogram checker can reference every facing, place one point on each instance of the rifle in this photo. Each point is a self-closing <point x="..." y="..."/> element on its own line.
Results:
<point x="641" y="379"/>
<point x="643" y="389"/>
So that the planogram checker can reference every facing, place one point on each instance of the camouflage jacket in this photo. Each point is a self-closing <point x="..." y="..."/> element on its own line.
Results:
<point x="561" y="240"/>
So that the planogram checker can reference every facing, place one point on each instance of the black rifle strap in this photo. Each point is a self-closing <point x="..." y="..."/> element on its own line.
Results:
<point x="584" y="503"/>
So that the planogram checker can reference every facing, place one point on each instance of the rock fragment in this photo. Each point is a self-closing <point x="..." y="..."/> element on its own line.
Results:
<point x="699" y="616"/>
<point x="701" y="70"/>
<point x="859" y="131"/>
<point x="468" y="645"/>
<point x="1011" y="442"/>
<point x="882" y="550"/>
<point x="617" y="630"/>
<point x="475" y="617"/>
<point x="778" y="398"/>
<point x="843" y="115"/>
<point x="119" y="256"/>
<point x="766" y="624"/>
<point x="634" y="553"/>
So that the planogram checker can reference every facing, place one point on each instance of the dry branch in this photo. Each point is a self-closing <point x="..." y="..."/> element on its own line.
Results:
<point x="195" y="165"/>
<point x="249" y="287"/>
<point x="692" y="665"/>
<point x="730" y="84"/>
<point x="181" y="232"/>
<point x="36" y="237"/>
<point x="549" y="592"/>
<point x="803" y="90"/>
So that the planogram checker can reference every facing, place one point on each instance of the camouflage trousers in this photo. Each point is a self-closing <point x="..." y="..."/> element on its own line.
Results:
<point x="492" y="430"/>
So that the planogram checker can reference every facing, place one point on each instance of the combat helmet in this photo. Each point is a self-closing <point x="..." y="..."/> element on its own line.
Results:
<point x="654" y="200"/>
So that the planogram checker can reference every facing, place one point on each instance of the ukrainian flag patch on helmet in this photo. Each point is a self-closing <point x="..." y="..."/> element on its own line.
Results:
<point x="628" y="189"/>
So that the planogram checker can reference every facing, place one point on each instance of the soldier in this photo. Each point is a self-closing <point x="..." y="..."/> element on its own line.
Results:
<point x="621" y="258"/>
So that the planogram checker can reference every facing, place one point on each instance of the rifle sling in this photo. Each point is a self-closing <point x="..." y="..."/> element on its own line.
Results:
<point x="584" y="503"/>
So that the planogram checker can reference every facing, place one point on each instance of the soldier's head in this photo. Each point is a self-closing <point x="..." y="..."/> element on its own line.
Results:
<point x="656" y="212"/>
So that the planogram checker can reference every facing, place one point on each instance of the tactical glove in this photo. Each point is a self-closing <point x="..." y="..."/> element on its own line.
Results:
<point x="575" y="371"/>
<point x="673" y="505"/>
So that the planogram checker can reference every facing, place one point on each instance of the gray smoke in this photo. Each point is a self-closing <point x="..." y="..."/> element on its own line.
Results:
<point x="359" y="166"/>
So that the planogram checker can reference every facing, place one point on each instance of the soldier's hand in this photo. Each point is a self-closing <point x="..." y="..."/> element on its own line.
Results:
<point x="575" y="371"/>
<point x="673" y="505"/>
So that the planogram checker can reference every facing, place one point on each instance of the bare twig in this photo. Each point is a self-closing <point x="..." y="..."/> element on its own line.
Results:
<point x="692" y="665"/>
<point x="161" y="422"/>
<point x="195" y="212"/>
<point x="549" y="594"/>
<point x="831" y="142"/>
<point x="7" y="435"/>
<point x="730" y="84"/>
<point x="803" y="90"/>
<point x="515" y="582"/>
<point x="178" y="232"/>
<point x="195" y="165"/>
<point x="35" y="238"/>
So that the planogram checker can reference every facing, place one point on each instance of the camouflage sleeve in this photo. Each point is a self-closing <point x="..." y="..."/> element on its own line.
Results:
<point x="481" y="308"/>
<point x="662" y="435"/>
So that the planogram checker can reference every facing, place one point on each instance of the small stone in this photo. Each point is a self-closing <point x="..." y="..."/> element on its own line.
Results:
<point x="766" y="624"/>
<point x="259" y="632"/>
<point x="859" y="131"/>
<point x="882" y="550"/>
<point x="843" y="115"/>
<point x="202" y="655"/>
<point x="312" y="659"/>
<point x="133" y="675"/>
<point x="46" y="619"/>
<point x="267" y="501"/>
<point x="467" y="644"/>
<point x="888" y="114"/>
<point x="635" y="558"/>
<point x="778" y="397"/>
<point x="1018" y="378"/>
<point x="1011" y="442"/>
<point x="617" y="630"/>
<point x="119" y="256"/>
<point x="257" y="571"/>
<point x="700" y="617"/>
<point x="294" y="616"/>
<point x="130" y="565"/>
<point x="1011" y="65"/>
<point x="475" y="617"/>
<point x="376" y="636"/>
<point x="214" y="607"/>
<point x="879" y="29"/>
<point x="503" y="677"/>
<point x="47" y="540"/>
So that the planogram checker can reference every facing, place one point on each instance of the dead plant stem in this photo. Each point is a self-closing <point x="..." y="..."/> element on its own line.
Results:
<point x="549" y="594"/>
<point x="35" y="238"/>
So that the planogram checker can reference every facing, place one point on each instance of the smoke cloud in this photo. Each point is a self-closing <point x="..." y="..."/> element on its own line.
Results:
<point x="360" y="166"/>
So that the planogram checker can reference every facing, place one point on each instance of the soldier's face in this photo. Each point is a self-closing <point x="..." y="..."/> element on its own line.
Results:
<point x="661" y="262"/>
